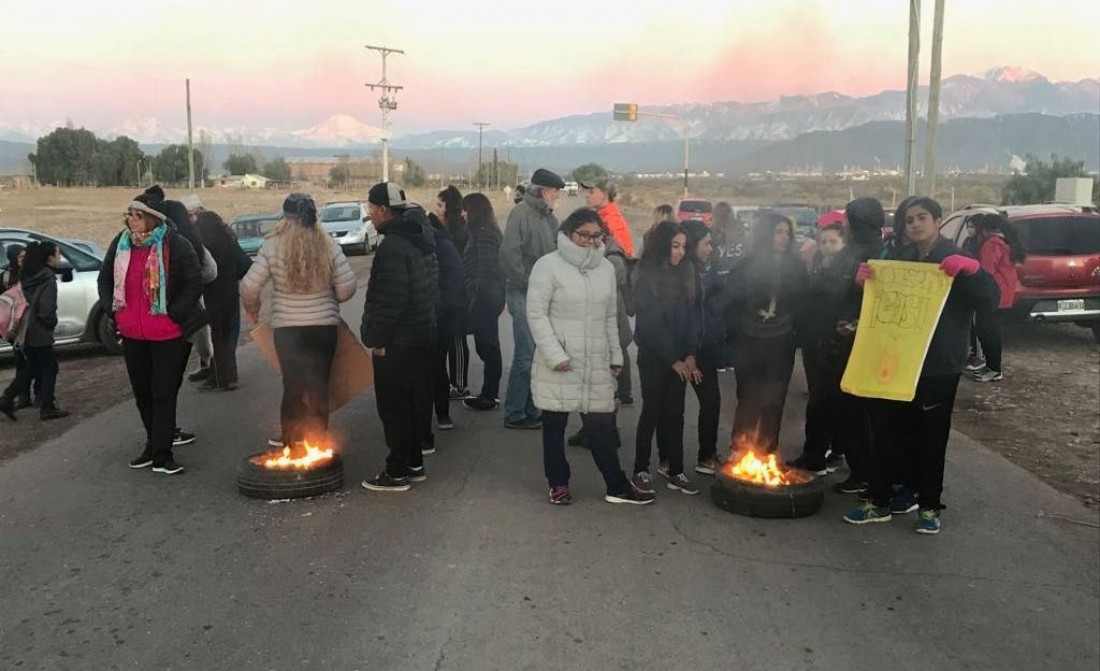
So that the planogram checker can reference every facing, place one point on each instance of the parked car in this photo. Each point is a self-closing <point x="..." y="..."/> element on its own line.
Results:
<point x="695" y="208"/>
<point x="1060" y="280"/>
<point x="80" y="317"/>
<point x="805" y="220"/>
<point x="349" y="224"/>
<point x="251" y="229"/>
<point x="572" y="188"/>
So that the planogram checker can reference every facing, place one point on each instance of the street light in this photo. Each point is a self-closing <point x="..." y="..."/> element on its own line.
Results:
<point x="629" y="112"/>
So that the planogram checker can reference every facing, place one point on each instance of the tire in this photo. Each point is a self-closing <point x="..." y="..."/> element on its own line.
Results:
<point x="107" y="334"/>
<point x="745" y="498"/>
<point x="258" y="482"/>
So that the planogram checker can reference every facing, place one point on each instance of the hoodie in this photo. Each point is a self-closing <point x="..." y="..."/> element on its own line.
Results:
<point x="402" y="292"/>
<point x="41" y="292"/>
<point x="451" y="299"/>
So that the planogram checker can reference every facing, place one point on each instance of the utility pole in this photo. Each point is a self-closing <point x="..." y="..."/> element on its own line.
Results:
<point x="190" y="149"/>
<point x="387" y="103"/>
<point x="496" y="170"/>
<point x="934" y="103"/>
<point x="480" y="129"/>
<point x="911" y="97"/>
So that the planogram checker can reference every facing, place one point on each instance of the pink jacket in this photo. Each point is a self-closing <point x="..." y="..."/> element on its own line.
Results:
<point x="995" y="260"/>
<point x="134" y="321"/>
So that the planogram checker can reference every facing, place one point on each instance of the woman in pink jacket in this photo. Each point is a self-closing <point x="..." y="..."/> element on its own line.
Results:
<point x="999" y="251"/>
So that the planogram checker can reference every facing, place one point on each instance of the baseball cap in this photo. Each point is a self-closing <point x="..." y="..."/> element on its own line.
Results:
<point x="387" y="194"/>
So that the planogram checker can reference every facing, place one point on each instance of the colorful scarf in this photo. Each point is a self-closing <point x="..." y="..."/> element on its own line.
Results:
<point x="153" y="280"/>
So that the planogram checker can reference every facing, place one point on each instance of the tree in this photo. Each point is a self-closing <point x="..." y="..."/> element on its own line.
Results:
<point x="414" y="173"/>
<point x="170" y="165"/>
<point x="66" y="157"/>
<point x="508" y="173"/>
<point x="590" y="172"/>
<point x="277" y="169"/>
<point x="240" y="164"/>
<point x="1036" y="184"/>
<point x="206" y="146"/>
<point x="116" y="161"/>
<point x="339" y="174"/>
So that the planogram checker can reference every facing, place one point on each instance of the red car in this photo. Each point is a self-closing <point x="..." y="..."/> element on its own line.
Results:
<point x="695" y="208"/>
<point x="1060" y="280"/>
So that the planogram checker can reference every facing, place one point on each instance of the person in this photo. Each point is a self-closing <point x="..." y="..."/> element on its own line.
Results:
<point x="40" y="289"/>
<point x="811" y="246"/>
<point x="661" y="214"/>
<point x="182" y="219"/>
<point x="727" y="234"/>
<point x="713" y="299"/>
<point x="152" y="278"/>
<point x="16" y="255"/>
<point x="571" y="309"/>
<point x="927" y="418"/>
<point x="484" y="295"/>
<point x="1000" y="251"/>
<point x="768" y="294"/>
<point x="448" y="217"/>
<point x="400" y="330"/>
<point x="450" y="308"/>
<point x="600" y="197"/>
<point x="818" y="340"/>
<point x="223" y="297"/>
<point x="667" y="333"/>
<point x="529" y="235"/>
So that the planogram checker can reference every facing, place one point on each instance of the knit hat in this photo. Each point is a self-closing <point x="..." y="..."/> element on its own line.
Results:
<point x="150" y="201"/>
<point x="301" y="205"/>
<point x="547" y="179"/>
<point x="192" y="202"/>
<point x="829" y="218"/>
<point x="604" y="184"/>
<point x="387" y="194"/>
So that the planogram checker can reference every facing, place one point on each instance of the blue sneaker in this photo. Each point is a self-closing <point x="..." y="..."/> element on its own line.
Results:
<point x="904" y="501"/>
<point x="928" y="521"/>
<point x="868" y="512"/>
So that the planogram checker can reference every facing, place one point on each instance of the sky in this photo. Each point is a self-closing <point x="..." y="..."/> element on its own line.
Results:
<point x="272" y="63"/>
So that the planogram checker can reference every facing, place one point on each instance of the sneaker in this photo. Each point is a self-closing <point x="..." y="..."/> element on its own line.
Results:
<point x="384" y="482"/>
<point x="662" y="470"/>
<point x="904" y="501"/>
<point x="275" y="442"/>
<point x="7" y="406"/>
<point x="643" y="482"/>
<point x="417" y="474"/>
<point x="681" y="482"/>
<point x="427" y="449"/>
<point x="444" y="423"/>
<point x="459" y="394"/>
<point x="142" y="461"/>
<point x="53" y="413"/>
<point x="806" y="463"/>
<point x="525" y="423"/>
<point x="479" y="403"/>
<point x="987" y="374"/>
<point x="708" y="466"/>
<point x="182" y="438"/>
<point x="868" y="512"/>
<point x="559" y="496"/>
<point x="22" y="402"/>
<point x="851" y="486"/>
<point x="577" y="439"/>
<point x="199" y="375"/>
<point x="974" y="363"/>
<point x="834" y="462"/>
<point x="928" y="521"/>
<point x="209" y="385"/>
<point x="169" y="467"/>
<point x="633" y="496"/>
<point x="722" y="370"/>
<point x="625" y="399"/>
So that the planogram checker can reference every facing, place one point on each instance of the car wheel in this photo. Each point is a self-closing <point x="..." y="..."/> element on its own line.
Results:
<point x="107" y="334"/>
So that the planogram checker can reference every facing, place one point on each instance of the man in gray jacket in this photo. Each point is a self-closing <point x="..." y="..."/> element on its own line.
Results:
<point x="530" y="234"/>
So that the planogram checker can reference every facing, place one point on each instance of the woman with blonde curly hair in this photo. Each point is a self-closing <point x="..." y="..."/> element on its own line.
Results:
<point x="311" y="277"/>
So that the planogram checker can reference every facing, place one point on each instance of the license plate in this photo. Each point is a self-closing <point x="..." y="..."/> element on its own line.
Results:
<point x="1072" y="305"/>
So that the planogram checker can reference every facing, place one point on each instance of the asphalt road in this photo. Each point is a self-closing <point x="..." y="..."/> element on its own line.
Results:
<point x="102" y="567"/>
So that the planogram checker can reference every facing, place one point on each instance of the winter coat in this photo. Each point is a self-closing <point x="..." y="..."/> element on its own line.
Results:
<point x="484" y="282"/>
<point x="403" y="285"/>
<point x="824" y="305"/>
<point x="450" y="306"/>
<point x="728" y="250"/>
<point x="41" y="293"/>
<point x="714" y="297"/>
<point x="617" y="256"/>
<point x="667" y="329"/>
<point x="530" y="234"/>
<point x="969" y="293"/>
<point x="223" y="294"/>
<point x="571" y="309"/>
<point x="613" y="218"/>
<point x="995" y="257"/>
<point x="183" y="272"/>
<point x="755" y="282"/>
<point x="318" y="308"/>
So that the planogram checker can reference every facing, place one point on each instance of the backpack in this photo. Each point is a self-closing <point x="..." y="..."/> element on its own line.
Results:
<point x="13" y="315"/>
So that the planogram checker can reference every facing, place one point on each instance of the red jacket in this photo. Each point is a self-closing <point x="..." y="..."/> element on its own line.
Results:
<point x="611" y="216"/>
<point x="995" y="260"/>
<point x="134" y="321"/>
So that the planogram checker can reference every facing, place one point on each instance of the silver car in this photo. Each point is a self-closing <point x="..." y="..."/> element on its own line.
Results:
<point x="80" y="318"/>
<point x="349" y="225"/>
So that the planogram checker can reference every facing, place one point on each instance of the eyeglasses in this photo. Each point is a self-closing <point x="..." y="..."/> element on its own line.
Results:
<point x="132" y="214"/>
<point x="591" y="237"/>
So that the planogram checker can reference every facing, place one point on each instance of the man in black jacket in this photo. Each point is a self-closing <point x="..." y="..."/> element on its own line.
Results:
<point x="400" y="329"/>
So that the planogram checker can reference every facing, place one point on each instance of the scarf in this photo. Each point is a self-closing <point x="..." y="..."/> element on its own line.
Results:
<point x="153" y="281"/>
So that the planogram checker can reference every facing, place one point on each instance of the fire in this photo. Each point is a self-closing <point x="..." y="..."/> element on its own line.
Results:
<point x="751" y="468"/>
<point x="311" y="455"/>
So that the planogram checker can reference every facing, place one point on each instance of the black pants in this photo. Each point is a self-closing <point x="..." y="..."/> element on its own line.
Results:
<point x="40" y="365"/>
<point x="852" y="435"/>
<point x="440" y="394"/>
<point x="823" y="408"/>
<point x="23" y="390"/>
<point x="662" y="414"/>
<point x="917" y="460"/>
<point x="487" y="345"/>
<point x="458" y="358"/>
<point x="222" y="321"/>
<point x="763" y="368"/>
<point x="305" y="357"/>
<point x="156" y="373"/>
<point x="988" y="327"/>
<point x="710" y="399"/>
<point x="599" y="428"/>
<point x="624" y="384"/>
<point x="402" y="390"/>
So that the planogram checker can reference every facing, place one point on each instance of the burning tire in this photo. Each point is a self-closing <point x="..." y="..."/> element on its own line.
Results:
<point x="257" y="481"/>
<point x="758" y="488"/>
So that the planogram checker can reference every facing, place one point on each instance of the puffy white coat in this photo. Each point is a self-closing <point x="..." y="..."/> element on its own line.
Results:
<point x="572" y="311"/>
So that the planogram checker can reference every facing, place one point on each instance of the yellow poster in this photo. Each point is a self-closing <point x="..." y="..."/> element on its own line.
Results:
<point x="902" y="303"/>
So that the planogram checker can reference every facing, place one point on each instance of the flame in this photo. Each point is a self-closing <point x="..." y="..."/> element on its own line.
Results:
<point x="311" y="455"/>
<point x="751" y="468"/>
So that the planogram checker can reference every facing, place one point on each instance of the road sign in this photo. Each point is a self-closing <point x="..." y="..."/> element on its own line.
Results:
<point x="626" y="112"/>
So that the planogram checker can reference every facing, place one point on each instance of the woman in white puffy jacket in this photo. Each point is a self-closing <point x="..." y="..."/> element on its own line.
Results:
<point x="572" y="311"/>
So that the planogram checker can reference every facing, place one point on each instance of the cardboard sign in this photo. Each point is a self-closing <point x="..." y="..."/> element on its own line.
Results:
<point x="901" y="307"/>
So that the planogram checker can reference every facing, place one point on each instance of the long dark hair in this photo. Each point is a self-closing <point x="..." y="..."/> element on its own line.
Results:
<point x="763" y="233"/>
<point x="215" y="234"/>
<point x="989" y="223"/>
<point x="35" y="260"/>
<point x="654" y="269"/>
<point x="451" y="198"/>
<point x="769" y="272"/>
<point x="479" y="213"/>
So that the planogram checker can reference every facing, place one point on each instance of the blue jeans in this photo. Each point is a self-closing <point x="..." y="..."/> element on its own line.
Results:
<point x="518" y="404"/>
<point x="599" y="428"/>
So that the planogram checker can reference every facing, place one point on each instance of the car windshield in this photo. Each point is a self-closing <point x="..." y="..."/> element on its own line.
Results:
<point x="1060" y="236"/>
<point x="805" y="217"/>
<point x="340" y="213"/>
<point x="254" y="228"/>
<point x="695" y="206"/>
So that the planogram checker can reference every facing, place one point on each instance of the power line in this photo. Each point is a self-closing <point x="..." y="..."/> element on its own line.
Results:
<point x="387" y="103"/>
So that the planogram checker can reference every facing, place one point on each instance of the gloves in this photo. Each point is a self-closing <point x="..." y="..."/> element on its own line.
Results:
<point x="864" y="273"/>
<point x="957" y="263"/>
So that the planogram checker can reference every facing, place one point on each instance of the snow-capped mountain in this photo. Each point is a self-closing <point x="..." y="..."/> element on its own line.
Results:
<point x="340" y="131"/>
